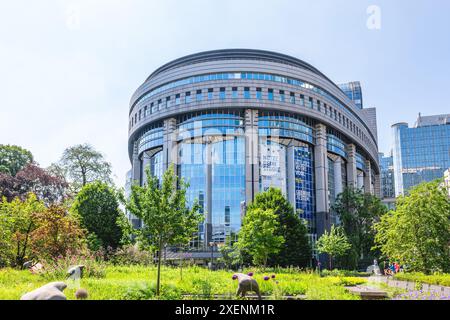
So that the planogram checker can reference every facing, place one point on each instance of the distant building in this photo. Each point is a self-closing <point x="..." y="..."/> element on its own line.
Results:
<point x="387" y="180"/>
<point x="447" y="180"/>
<point x="128" y="182"/>
<point x="353" y="91"/>
<point x="420" y="153"/>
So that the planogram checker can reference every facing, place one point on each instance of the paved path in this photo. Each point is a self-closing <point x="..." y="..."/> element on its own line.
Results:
<point x="410" y="285"/>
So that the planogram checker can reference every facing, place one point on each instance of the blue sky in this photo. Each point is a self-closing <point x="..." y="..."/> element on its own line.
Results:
<point x="69" y="68"/>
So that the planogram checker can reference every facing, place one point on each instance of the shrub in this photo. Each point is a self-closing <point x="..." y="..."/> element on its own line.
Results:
<point x="131" y="255"/>
<point x="56" y="269"/>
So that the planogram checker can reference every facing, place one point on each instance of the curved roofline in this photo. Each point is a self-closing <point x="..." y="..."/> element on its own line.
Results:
<point x="399" y="124"/>
<point x="237" y="54"/>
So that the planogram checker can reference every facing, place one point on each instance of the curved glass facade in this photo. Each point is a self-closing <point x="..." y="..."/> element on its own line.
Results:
<point x="216" y="171"/>
<point x="283" y="125"/>
<point x="240" y="133"/>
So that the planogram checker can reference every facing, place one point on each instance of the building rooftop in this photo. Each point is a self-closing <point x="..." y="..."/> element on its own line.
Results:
<point x="435" y="120"/>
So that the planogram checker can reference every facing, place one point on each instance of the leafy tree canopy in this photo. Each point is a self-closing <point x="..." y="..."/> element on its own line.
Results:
<point x="97" y="205"/>
<point x="258" y="235"/>
<point x="167" y="218"/>
<point x="13" y="159"/>
<point x="296" y="250"/>
<point x="417" y="233"/>
<point x="358" y="211"/>
<point x="333" y="243"/>
<point x="82" y="164"/>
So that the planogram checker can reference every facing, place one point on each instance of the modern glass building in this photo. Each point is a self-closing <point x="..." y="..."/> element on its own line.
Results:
<point x="236" y="122"/>
<point x="387" y="179"/>
<point x="421" y="153"/>
<point x="353" y="91"/>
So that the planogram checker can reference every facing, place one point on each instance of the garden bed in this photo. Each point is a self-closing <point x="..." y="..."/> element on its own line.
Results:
<point x="139" y="283"/>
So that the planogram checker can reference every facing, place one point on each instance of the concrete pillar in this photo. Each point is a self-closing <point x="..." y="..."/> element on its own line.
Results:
<point x="352" y="179"/>
<point x="337" y="176"/>
<point x="170" y="146"/>
<point x="208" y="216"/>
<point x="251" y="155"/>
<point x="321" y="179"/>
<point x="377" y="185"/>
<point x="290" y="175"/>
<point x="368" y="178"/>
<point x="136" y="170"/>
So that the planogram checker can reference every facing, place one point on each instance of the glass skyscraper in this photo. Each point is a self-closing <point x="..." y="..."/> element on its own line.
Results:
<point x="353" y="91"/>
<point x="420" y="153"/>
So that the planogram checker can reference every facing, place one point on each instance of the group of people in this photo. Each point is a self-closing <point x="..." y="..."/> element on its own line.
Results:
<point x="392" y="269"/>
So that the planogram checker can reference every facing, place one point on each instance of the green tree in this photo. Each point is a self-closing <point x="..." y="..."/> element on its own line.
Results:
<point x="16" y="226"/>
<point x="417" y="232"/>
<point x="333" y="243"/>
<point x="258" y="235"/>
<point x="97" y="205"/>
<point x="82" y="164"/>
<point x="13" y="159"/>
<point x="296" y="250"/>
<point x="58" y="233"/>
<point x="166" y="217"/>
<point x="358" y="212"/>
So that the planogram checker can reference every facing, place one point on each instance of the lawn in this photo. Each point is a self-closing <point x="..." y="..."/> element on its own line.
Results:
<point x="138" y="283"/>
<point x="442" y="279"/>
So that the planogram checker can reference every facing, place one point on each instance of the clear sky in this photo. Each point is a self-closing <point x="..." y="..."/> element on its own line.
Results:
<point x="69" y="68"/>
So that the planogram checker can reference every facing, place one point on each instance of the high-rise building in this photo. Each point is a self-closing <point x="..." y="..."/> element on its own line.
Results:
<point x="387" y="179"/>
<point x="420" y="153"/>
<point x="353" y="91"/>
<point x="236" y="122"/>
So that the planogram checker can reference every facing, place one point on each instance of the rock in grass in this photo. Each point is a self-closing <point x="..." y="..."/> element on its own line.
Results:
<point x="81" y="294"/>
<point x="246" y="284"/>
<point x="50" y="291"/>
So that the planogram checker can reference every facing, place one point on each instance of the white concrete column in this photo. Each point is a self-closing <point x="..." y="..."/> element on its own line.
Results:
<point x="208" y="213"/>
<point x="290" y="175"/>
<point x="136" y="170"/>
<point x="352" y="179"/>
<point x="170" y="146"/>
<point x="368" y="178"/>
<point x="321" y="179"/>
<point x="337" y="176"/>
<point x="251" y="155"/>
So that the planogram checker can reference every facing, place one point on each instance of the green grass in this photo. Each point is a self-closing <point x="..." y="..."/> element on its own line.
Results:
<point x="442" y="279"/>
<point x="139" y="282"/>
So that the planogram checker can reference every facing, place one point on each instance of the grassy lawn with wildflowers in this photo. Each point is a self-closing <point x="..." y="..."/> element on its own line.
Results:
<point x="139" y="283"/>
<point x="442" y="279"/>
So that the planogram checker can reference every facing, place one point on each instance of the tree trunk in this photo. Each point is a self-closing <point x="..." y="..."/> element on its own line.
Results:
<point x="330" y="258"/>
<point x="158" y="279"/>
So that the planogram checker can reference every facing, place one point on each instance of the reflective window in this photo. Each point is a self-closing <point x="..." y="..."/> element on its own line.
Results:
<point x="292" y="98"/>
<point x="188" y="98"/>
<point x="234" y="92"/>
<point x="199" y="95"/>
<point x="270" y="94"/>
<point x="258" y="93"/>
<point x="247" y="93"/>
<point x="210" y="93"/>
<point x="222" y="93"/>
<point x="177" y="99"/>
<point x="282" y="96"/>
